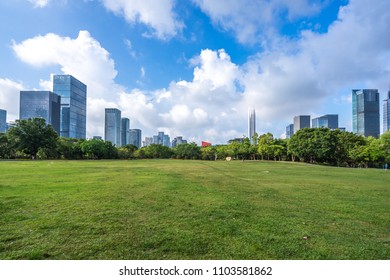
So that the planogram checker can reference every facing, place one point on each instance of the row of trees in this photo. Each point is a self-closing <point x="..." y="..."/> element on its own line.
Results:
<point x="34" y="139"/>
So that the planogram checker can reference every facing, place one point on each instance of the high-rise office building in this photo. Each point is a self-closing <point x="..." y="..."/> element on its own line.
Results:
<point x="365" y="112"/>
<point x="73" y="105"/>
<point x="289" y="131"/>
<point x="148" y="141"/>
<point x="177" y="141"/>
<point x="329" y="121"/>
<point x="251" y="123"/>
<point x="112" y="126"/>
<point x="125" y="131"/>
<point x="300" y="122"/>
<point x="3" y="121"/>
<point x="41" y="104"/>
<point x="167" y="141"/>
<point x="135" y="137"/>
<point x="11" y="124"/>
<point x="386" y="113"/>
<point x="162" y="139"/>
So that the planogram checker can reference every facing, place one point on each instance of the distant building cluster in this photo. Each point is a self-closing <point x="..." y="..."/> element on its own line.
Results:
<point x="365" y="116"/>
<point x="330" y="121"/>
<point x="117" y="129"/>
<point x="65" y="109"/>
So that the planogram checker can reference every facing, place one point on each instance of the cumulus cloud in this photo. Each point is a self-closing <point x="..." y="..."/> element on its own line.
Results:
<point x="256" y="21"/>
<point x="39" y="3"/>
<point x="83" y="58"/>
<point x="9" y="97"/>
<point x="192" y="108"/>
<point x="299" y="78"/>
<point x="156" y="14"/>
<point x="303" y="77"/>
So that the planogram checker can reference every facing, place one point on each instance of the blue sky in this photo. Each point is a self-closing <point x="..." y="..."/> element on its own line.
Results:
<point x="193" y="68"/>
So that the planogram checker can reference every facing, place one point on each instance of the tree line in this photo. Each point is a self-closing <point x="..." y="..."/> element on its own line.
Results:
<point x="35" y="139"/>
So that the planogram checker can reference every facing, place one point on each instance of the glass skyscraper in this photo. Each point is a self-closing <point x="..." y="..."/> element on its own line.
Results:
<point x="289" y="131"/>
<point x="3" y="121"/>
<point x="177" y="141"/>
<point x="162" y="139"/>
<point x="135" y="137"/>
<point x="73" y="106"/>
<point x="125" y="131"/>
<point x="41" y="104"/>
<point x="251" y="123"/>
<point x="365" y="112"/>
<point x="148" y="141"/>
<point x="167" y="141"/>
<point x="301" y="122"/>
<point x="112" y="126"/>
<point x="328" y="121"/>
<point x="386" y="113"/>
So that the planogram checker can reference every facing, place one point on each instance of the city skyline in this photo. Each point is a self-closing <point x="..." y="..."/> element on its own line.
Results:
<point x="48" y="105"/>
<point x="117" y="129"/>
<point x="285" y="58"/>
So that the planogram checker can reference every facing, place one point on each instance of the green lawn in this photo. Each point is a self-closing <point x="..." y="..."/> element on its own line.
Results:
<point x="173" y="209"/>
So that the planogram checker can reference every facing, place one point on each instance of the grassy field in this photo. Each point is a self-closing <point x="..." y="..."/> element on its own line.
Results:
<point x="172" y="209"/>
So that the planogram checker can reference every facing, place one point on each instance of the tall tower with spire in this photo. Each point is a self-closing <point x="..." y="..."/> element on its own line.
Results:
<point x="251" y="123"/>
<point x="386" y="113"/>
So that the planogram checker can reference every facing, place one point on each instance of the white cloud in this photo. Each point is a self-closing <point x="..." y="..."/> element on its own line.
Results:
<point x="190" y="108"/>
<point x="9" y="98"/>
<point x="304" y="77"/>
<point x="129" y="46"/>
<point x="39" y="3"/>
<point x="299" y="78"/>
<point x="82" y="57"/>
<point x="156" y="14"/>
<point x="255" y="21"/>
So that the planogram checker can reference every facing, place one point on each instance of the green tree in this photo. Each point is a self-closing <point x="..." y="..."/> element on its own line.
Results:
<point x="360" y="156"/>
<point x="208" y="153"/>
<point x="28" y="136"/>
<point x="98" y="149"/>
<point x="187" y="151"/>
<point x="232" y="148"/>
<point x="346" y="142"/>
<point x="244" y="150"/>
<point x="6" y="150"/>
<point x="140" y="153"/>
<point x="127" y="151"/>
<point x="255" y="139"/>
<point x="221" y="151"/>
<point x="314" y="145"/>
<point x="264" y="147"/>
<point x="70" y="148"/>
<point x="376" y="152"/>
<point x="157" y="151"/>
<point x="385" y="142"/>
